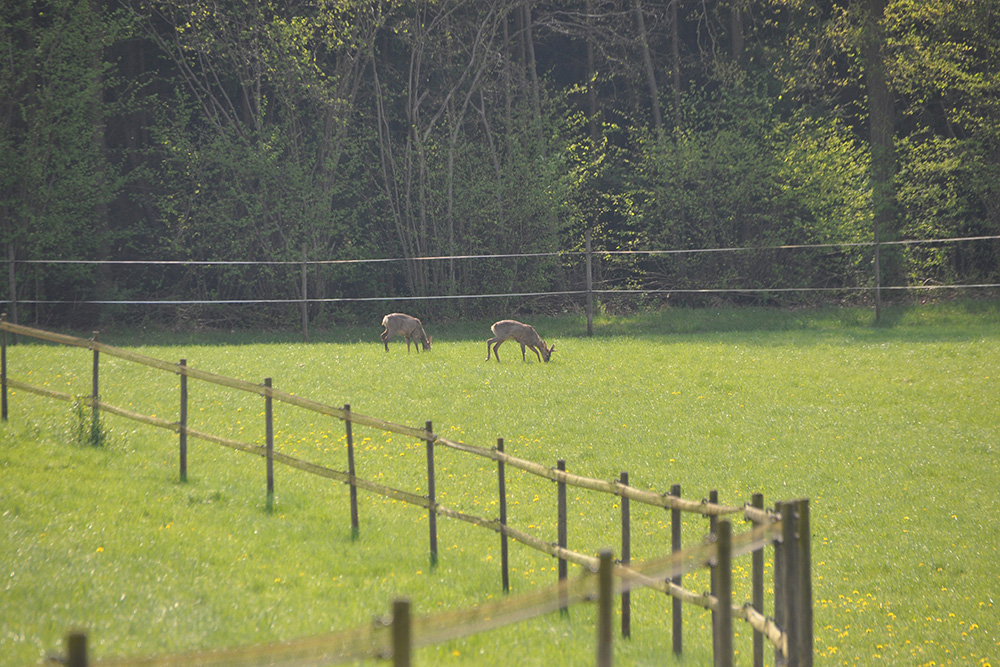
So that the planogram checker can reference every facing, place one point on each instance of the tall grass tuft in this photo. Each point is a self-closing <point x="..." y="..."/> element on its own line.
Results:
<point x="86" y="426"/>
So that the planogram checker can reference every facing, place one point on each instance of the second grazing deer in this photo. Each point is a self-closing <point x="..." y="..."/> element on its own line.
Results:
<point x="524" y="334"/>
<point x="410" y="328"/>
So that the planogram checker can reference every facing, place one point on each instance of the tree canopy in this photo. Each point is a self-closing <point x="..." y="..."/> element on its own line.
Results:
<point x="258" y="130"/>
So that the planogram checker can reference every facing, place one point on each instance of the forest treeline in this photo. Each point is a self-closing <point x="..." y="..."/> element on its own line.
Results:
<point x="278" y="130"/>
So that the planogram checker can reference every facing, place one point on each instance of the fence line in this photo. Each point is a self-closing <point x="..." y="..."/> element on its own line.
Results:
<point x="660" y="575"/>
<point x="374" y="641"/>
<point x="559" y="253"/>
<point x="304" y="262"/>
<point x="613" y="487"/>
<point x="507" y="295"/>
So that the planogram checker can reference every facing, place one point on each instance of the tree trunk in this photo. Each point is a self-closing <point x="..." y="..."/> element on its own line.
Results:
<point x="647" y="60"/>
<point x="591" y="78"/>
<point x="736" y="41"/>
<point x="536" y="95"/>
<point x="675" y="57"/>
<point x="98" y="138"/>
<point x="881" y="119"/>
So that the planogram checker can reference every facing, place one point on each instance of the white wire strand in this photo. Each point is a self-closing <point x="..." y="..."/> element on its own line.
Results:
<point x="444" y="297"/>
<point x="435" y="258"/>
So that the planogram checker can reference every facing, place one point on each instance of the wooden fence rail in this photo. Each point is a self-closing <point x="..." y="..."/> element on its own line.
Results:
<point x="787" y="526"/>
<point x="380" y="640"/>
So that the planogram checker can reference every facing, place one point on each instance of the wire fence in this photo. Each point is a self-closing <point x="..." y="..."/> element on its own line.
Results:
<point x="81" y="293"/>
<point x="786" y="528"/>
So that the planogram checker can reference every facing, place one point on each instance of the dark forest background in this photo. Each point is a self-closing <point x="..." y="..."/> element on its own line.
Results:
<point x="270" y="130"/>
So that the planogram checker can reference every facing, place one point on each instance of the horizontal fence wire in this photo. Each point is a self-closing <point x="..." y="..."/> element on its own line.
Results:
<point x="505" y="295"/>
<point x="502" y="295"/>
<point x="559" y="253"/>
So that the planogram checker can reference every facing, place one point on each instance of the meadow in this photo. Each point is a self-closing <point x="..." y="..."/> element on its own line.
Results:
<point x="891" y="430"/>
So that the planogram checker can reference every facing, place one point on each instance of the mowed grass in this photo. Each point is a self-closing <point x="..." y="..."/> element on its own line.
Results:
<point x="892" y="431"/>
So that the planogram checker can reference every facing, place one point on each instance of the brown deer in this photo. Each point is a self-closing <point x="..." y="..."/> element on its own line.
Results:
<point x="398" y="324"/>
<point x="524" y="334"/>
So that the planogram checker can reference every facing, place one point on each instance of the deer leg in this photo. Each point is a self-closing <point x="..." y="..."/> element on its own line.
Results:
<point x="535" y="349"/>
<point x="407" y="344"/>
<point x="496" y="350"/>
<point x="522" y="352"/>
<point x="385" y="339"/>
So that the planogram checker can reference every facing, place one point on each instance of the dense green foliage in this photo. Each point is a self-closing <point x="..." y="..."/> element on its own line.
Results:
<point x="341" y="130"/>
<point x="890" y="431"/>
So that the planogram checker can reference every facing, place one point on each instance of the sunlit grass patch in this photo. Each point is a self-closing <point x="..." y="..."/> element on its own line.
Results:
<point x="891" y="431"/>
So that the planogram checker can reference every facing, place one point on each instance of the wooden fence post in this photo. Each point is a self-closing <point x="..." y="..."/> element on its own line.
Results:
<point x="793" y="584"/>
<point x="723" y="576"/>
<point x="504" y="563"/>
<point x="95" y="419"/>
<point x="76" y="649"/>
<point x="3" y="368"/>
<point x="605" y="609"/>
<point x="12" y="281"/>
<point x="713" y="531"/>
<point x="305" y="299"/>
<point x="402" y="633"/>
<point x="675" y="546"/>
<point x="757" y="586"/>
<point x="878" y="271"/>
<point x="562" y="530"/>
<point x="355" y="521"/>
<point x="182" y="425"/>
<point x="785" y="616"/>
<point x="431" y="513"/>
<point x="269" y="437"/>
<point x="625" y="560"/>
<point x="590" y="286"/>
<point x="803" y="584"/>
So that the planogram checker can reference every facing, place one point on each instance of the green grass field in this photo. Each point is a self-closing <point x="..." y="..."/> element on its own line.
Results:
<point x="892" y="431"/>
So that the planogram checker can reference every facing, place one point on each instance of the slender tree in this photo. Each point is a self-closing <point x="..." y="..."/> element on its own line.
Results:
<point x="882" y="135"/>
<point x="647" y="61"/>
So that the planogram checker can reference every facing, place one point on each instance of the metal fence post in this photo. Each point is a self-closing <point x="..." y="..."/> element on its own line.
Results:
<point x="562" y="530"/>
<point x="713" y="530"/>
<point x="76" y="649"/>
<point x="12" y="282"/>
<point x="605" y="609"/>
<point x="355" y="520"/>
<point x="305" y="298"/>
<point x="677" y="611"/>
<point x="432" y="502"/>
<point x="3" y="368"/>
<point x="590" y="285"/>
<point x="182" y="425"/>
<point x="504" y="561"/>
<point x="95" y="419"/>
<point x="269" y="436"/>
<point x="723" y="575"/>
<point x="402" y="633"/>
<point x="757" y="587"/>
<point x="626" y="559"/>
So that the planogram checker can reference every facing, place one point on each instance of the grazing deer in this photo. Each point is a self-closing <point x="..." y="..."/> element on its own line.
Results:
<point x="398" y="324"/>
<point x="524" y="334"/>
